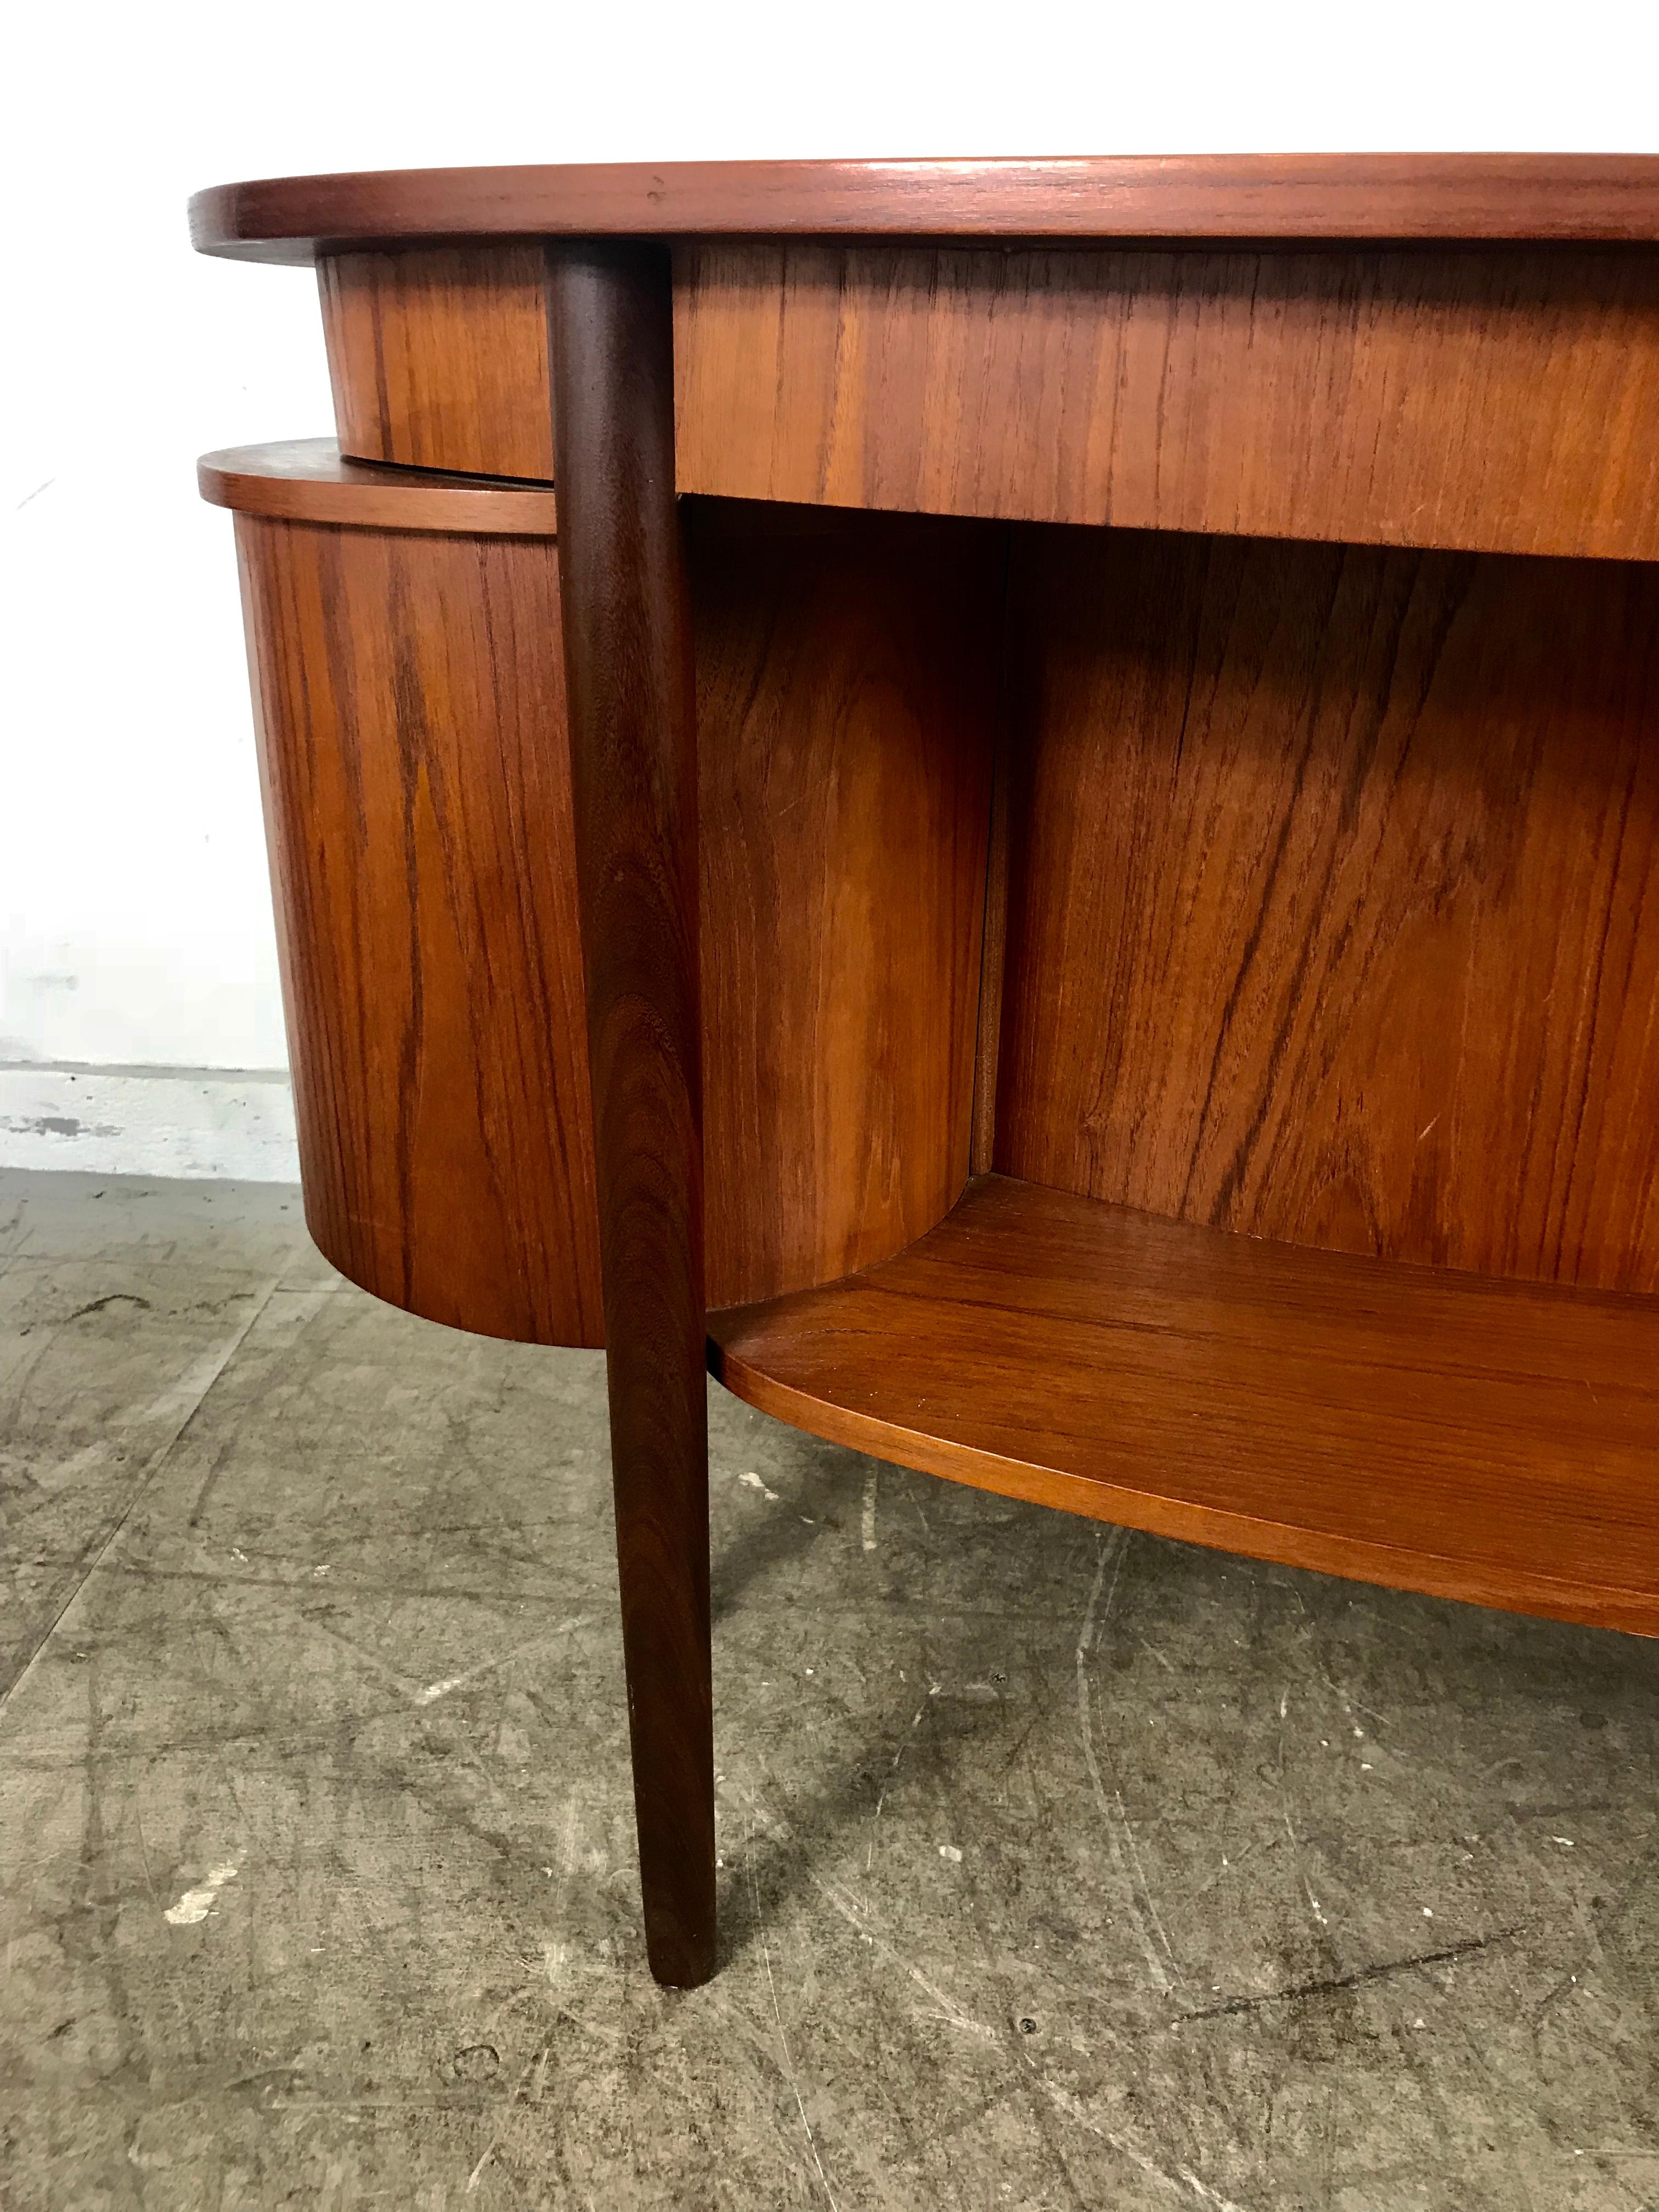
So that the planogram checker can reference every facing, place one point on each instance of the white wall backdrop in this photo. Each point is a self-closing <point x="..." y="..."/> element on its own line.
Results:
<point x="134" y="922"/>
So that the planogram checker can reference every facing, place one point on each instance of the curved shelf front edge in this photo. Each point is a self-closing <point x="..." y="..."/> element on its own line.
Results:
<point x="1484" y="1440"/>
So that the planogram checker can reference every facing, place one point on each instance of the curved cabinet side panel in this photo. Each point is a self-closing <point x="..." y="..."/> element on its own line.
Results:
<point x="846" y="698"/>
<point x="438" y="357"/>
<point x="409" y="700"/>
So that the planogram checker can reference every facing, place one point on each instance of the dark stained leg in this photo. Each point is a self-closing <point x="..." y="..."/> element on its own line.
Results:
<point x="633" y="741"/>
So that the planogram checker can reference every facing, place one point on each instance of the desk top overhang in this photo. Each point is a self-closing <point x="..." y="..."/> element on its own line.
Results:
<point x="1579" y="198"/>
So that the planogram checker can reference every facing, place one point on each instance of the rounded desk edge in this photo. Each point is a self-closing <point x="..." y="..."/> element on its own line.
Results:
<point x="309" y="480"/>
<point x="1245" y="198"/>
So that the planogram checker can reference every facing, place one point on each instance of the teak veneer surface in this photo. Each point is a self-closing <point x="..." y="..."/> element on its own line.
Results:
<point x="411" y="703"/>
<point x="308" y="480"/>
<point x="1501" y="401"/>
<point x="1410" y="1426"/>
<point x="408" y="693"/>
<point x="1504" y="401"/>
<point x="1334" y="896"/>
<point x="1294" y="196"/>
<point x="847" y="696"/>
<point x="439" y="358"/>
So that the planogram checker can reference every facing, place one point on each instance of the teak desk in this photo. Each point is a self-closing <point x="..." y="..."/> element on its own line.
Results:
<point x="1054" y="861"/>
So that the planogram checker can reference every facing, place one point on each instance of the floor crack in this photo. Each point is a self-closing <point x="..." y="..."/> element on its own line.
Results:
<point x="159" y="1459"/>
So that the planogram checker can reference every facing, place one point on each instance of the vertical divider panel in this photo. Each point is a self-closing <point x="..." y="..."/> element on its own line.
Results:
<point x="847" y="682"/>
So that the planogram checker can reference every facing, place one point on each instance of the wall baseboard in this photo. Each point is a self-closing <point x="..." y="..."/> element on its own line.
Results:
<point x="195" y="1122"/>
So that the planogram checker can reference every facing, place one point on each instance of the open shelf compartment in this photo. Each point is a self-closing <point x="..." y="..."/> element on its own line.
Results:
<point x="1473" y="1438"/>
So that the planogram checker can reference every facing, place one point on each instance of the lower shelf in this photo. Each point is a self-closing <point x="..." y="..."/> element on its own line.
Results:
<point x="1495" y="1442"/>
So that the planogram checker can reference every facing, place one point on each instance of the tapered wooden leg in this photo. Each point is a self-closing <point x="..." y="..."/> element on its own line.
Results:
<point x="634" y="758"/>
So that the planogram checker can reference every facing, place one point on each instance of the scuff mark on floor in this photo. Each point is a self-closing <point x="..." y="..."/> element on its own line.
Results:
<point x="1120" y="1835"/>
<point x="859" y="1917"/>
<point x="112" y="1299"/>
<point x="1333" y="1984"/>
<point x="777" y="2015"/>
<point x="196" y="1903"/>
<point x="538" y="2067"/>
<point x="1182" y="2179"/>
<point x="429" y="1692"/>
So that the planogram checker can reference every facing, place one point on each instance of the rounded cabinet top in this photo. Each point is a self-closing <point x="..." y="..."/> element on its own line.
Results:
<point x="310" y="480"/>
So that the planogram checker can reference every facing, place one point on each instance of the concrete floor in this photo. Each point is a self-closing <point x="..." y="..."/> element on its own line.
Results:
<point x="1061" y="1868"/>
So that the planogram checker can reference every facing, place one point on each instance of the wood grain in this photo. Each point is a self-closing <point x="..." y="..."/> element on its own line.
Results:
<point x="438" y="357"/>
<point x="404" y="687"/>
<point x="1502" y="401"/>
<point x="1282" y="196"/>
<point x="634" y="762"/>
<point x="1408" y="1426"/>
<point x="846" y="674"/>
<point x="988" y="1042"/>
<point x="1336" y="909"/>
<point x="847" y="684"/>
<point x="305" y="480"/>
